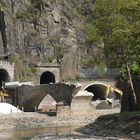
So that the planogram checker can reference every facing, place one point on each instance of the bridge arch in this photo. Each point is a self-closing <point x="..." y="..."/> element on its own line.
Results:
<point x="102" y="91"/>
<point x="47" y="103"/>
<point x="47" y="77"/>
<point x="4" y="76"/>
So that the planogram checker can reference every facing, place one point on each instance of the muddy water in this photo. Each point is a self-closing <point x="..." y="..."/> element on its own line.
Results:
<point x="27" y="134"/>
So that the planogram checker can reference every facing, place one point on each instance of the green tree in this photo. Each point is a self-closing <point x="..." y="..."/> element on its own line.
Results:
<point x="117" y="23"/>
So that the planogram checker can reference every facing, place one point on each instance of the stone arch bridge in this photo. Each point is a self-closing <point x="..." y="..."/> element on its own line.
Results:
<point x="30" y="97"/>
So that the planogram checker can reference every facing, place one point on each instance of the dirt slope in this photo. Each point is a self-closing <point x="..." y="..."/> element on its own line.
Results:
<point x="115" y="125"/>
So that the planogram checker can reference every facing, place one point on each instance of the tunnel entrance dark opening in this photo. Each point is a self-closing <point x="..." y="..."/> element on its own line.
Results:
<point x="98" y="90"/>
<point x="47" y="77"/>
<point x="4" y="76"/>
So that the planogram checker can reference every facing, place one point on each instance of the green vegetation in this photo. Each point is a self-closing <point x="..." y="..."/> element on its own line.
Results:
<point x="59" y="52"/>
<point x="2" y="4"/>
<point x="92" y="61"/>
<point x="25" y="14"/>
<point x="31" y="12"/>
<point x="22" y="71"/>
<point x="117" y="24"/>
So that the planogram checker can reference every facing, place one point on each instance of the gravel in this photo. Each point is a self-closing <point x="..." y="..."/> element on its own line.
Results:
<point x="33" y="120"/>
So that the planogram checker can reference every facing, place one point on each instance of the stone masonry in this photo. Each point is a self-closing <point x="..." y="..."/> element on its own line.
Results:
<point x="8" y="67"/>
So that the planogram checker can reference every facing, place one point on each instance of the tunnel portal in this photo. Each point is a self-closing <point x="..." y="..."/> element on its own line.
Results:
<point x="47" y="77"/>
<point x="4" y="76"/>
<point x="100" y="91"/>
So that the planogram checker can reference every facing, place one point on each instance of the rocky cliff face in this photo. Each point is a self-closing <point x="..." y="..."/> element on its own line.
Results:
<point x="40" y="30"/>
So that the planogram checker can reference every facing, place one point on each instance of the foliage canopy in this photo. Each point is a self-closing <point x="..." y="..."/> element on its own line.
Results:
<point x="117" y="23"/>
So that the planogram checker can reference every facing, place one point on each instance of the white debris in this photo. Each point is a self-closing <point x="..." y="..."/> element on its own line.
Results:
<point x="6" y="108"/>
<point x="15" y="84"/>
<point x="84" y="93"/>
<point x="78" y="85"/>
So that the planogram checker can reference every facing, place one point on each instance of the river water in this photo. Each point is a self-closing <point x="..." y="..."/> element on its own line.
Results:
<point x="28" y="134"/>
<point x="48" y="133"/>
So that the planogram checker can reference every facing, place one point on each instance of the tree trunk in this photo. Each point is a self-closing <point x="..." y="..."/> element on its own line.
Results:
<point x="132" y="98"/>
<point x="131" y="83"/>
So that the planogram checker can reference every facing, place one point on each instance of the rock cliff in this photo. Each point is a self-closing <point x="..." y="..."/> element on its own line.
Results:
<point x="40" y="30"/>
<point x="39" y="27"/>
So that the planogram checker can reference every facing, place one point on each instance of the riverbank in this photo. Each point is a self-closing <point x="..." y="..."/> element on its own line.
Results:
<point x="36" y="122"/>
<point x="124" y="125"/>
<point x="35" y="119"/>
<point x="118" y="126"/>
